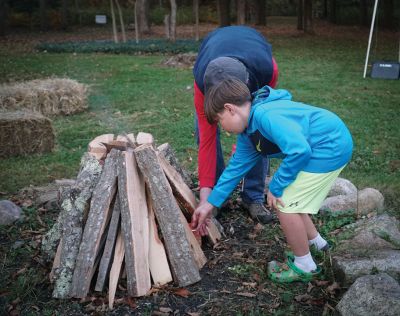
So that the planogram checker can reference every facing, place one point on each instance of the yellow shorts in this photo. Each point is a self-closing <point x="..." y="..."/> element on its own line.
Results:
<point x="308" y="191"/>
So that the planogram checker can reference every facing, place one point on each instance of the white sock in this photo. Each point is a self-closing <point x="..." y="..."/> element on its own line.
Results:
<point x="318" y="242"/>
<point x="305" y="263"/>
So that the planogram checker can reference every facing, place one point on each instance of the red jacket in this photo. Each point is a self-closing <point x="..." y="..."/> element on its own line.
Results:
<point x="207" y="155"/>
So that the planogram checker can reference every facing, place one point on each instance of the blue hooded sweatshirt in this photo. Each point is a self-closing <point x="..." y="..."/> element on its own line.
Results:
<point x="308" y="139"/>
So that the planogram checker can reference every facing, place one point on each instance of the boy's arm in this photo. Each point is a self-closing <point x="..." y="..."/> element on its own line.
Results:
<point x="239" y="165"/>
<point x="288" y="136"/>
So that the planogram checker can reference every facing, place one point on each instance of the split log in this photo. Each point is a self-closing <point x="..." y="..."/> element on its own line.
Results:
<point x="144" y="138"/>
<point x="183" y="265"/>
<point x="158" y="262"/>
<point x="96" y="147"/>
<point x="109" y="246"/>
<point x="134" y="224"/>
<point x="98" y="218"/>
<point x="119" y="254"/>
<point x="186" y="197"/>
<point x="82" y="190"/>
<point x="198" y="253"/>
<point x="166" y="151"/>
<point x="129" y="138"/>
<point x="73" y="207"/>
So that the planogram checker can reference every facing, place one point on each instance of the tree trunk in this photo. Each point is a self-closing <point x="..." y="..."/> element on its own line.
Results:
<point x="114" y="23"/>
<point x="42" y="14"/>
<point x="300" y="14"/>
<point x="260" y="12"/>
<point x="173" y="21"/>
<point x="121" y="20"/>
<point x="143" y="21"/>
<point x="78" y="13"/>
<point x="308" y="21"/>
<point x="241" y="11"/>
<point x="136" y="22"/>
<point x="388" y="9"/>
<point x="64" y="14"/>
<point x="224" y="12"/>
<point x="196" y="19"/>
<point x="325" y="9"/>
<point x="167" y="28"/>
<point x="332" y="11"/>
<point x="363" y="12"/>
<point x="3" y="17"/>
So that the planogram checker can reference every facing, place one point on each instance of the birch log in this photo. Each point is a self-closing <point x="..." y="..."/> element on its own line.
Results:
<point x="75" y="202"/>
<point x="98" y="218"/>
<point x="183" y="265"/>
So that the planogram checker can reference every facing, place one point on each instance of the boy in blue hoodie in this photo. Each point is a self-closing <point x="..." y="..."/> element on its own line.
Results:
<point x="315" y="146"/>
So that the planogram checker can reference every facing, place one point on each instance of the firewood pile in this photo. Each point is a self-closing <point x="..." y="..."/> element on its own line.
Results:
<point x="127" y="216"/>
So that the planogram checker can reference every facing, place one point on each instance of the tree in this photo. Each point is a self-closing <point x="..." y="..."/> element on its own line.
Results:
<point x="114" y="23"/>
<point x="3" y="17"/>
<point x="64" y="14"/>
<point x="173" y="21"/>
<point x="261" y="18"/>
<point x="241" y="11"/>
<point x="332" y="11"/>
<point x="143" y="16"/>
<point x="121" y="20"/>
<point x="388" y="9"/>
<point x="196" y="18"/>
<point x="300" y="15"/>
<point x="42" y="14"/>
<point x="224" y="12"/>
<point x="363" y="12"/>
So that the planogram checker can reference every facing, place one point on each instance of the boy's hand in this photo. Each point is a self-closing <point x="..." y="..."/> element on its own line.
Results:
<point x="202" y="217"/>
<point x="274" y="201"/>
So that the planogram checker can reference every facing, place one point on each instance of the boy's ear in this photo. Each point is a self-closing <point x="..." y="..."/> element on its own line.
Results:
<point x="231" y="108"/>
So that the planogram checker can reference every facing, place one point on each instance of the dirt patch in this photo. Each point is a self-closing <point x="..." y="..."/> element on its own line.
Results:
<point x="234" y="281"/>
<point x="181" y="60"/>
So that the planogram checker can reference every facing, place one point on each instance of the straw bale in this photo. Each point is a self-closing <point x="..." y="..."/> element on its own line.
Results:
<point x="23" y="133"/>
<point x="53" y="96"/>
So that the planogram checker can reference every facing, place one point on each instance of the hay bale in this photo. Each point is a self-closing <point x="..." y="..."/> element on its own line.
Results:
<point x="49" y="96"/>
<point x="23" y="133"/>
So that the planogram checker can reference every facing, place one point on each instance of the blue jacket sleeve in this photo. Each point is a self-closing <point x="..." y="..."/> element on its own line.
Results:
<point x="239" y="165"/>
<point x="289" y="136"/>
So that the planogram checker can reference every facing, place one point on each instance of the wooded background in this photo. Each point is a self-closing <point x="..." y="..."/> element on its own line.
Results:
<point x="64" y="14"/>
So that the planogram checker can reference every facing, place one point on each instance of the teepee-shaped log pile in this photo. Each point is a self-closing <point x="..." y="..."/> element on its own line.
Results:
<point x="124" y="217"/>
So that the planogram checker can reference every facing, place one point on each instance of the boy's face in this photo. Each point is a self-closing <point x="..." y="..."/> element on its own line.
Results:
<point x="233" y="118"/>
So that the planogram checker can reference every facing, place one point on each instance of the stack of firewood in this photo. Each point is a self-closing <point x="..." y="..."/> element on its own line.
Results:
<point x="127" y="216"/>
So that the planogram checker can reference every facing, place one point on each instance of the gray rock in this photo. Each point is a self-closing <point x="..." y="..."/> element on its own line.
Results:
<point x="376" y="233"/>
<point x="372" y="295"/>
<point x="342" y="187"/>
<point x="373" y="245"/>
<point x="370" y="199"/>
<point x="9" y="212"/>
<point x="340" y="203"/>
<point x="348" y="268"/>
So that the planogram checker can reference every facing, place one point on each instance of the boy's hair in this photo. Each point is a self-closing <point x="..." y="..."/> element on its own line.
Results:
<point x="227" y="91"/>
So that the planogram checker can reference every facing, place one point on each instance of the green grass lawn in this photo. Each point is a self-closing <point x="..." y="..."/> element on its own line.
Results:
<point x="135" y="93"/>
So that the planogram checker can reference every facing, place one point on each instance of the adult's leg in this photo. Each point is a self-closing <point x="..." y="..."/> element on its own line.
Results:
<point x="254" y="183"/>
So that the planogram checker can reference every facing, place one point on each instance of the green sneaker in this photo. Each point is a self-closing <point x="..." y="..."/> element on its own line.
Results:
<point x="288" y="272"/>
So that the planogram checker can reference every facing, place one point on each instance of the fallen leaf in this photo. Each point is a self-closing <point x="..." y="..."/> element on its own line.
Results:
<point x="331" y="289"/>
<point x="310" y="287"/>
<point x="303" y="298"/>
<point x="321" y="283"/>
<point x="193" y="314"/>
<point x="246" y="294"/>
<point x="182" y="292"/>
<point x="130" y="301"/>
<point x="250" y="284"/>
<point x="165" y="310"/>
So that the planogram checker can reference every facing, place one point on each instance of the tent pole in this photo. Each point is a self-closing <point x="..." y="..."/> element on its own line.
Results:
<point x="371" y="31"/>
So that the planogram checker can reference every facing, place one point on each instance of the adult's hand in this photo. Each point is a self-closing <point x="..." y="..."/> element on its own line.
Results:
<point x="273" y="201"/>
<point x="202" y="217"/>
